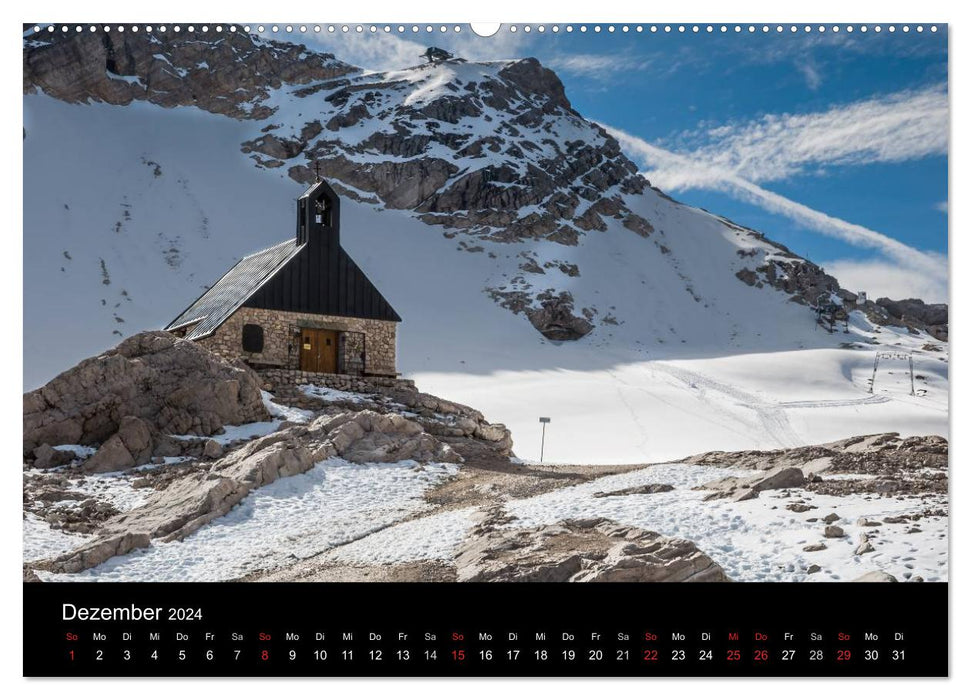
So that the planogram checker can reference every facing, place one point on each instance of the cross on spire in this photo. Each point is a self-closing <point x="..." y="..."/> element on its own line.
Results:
<point x="317" y="170"/>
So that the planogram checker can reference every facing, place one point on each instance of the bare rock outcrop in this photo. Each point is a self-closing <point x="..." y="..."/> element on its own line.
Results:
<point x="445" y="418"/>
<point x="911" y="313"/>
<point x="646" y="489"/>
<point x="150" y="381"/>
<point x="579" y="551"/>
<point x="224" y="72"/>
<point x="883" y="463"/>
<point x="439" y="417"/>
<point x="748" y="487"/>
<point x="368" y="436"/>
<point x="805" y="282"/>
<point x="555" y="318"/>
<point x="558" y="178"/>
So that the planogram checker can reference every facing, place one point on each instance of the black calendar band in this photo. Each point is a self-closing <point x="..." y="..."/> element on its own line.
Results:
<point x="397" y="629"/>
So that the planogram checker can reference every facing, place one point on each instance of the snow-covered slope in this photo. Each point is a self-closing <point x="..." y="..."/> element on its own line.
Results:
<point x="478" y="248"/>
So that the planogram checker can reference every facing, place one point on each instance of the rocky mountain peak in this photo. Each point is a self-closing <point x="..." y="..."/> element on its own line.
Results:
<point x="490" y="149"/>
<point x="536" y="79"/>
<point x="229" y="73"/>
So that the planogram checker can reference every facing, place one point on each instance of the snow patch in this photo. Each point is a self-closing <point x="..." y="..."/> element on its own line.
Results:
<point x="41" y="541"/>
<point x="327" y="394"/>
<point x="287" y="413"/>
<point x="334" y="503"/>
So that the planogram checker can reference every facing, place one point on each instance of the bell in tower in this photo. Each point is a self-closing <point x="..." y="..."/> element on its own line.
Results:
<point x="318" y="215"/>
<point x="322" y="212"/>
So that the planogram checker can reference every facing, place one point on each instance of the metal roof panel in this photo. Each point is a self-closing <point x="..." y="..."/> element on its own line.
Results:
<point x="222" y="299"/>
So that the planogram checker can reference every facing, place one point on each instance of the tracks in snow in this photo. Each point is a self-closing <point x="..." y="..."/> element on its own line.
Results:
<point x="835" y="403"/>
<point x="770" y="414"/>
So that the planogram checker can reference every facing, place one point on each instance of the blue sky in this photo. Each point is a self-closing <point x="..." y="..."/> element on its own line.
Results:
<point x="833" y="143"/>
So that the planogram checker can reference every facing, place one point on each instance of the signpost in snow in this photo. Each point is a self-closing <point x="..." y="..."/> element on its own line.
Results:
<point x="542" y="445"/>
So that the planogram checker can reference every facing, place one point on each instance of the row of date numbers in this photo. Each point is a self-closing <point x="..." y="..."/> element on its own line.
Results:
<point x="512" y="655"/>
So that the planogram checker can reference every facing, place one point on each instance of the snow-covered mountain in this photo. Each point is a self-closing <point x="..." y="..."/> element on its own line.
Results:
<point x="536" y="272"/>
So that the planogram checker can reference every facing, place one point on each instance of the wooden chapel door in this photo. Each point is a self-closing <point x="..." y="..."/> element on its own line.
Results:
<point x="318" y="350"/>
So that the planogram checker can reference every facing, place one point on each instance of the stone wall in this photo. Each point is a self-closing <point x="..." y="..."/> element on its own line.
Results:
<point x="281" y="349"/>
<point x="275" y="379"/>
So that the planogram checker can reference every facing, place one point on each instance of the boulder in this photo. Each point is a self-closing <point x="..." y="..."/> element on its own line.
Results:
<point x="780" y="478"/>
<point x="111" y="456"/>
<point x="131" y="446"/>
<point x="46" y="457"/>
<point x="833" y="531"/>
<point x="212" y="449"/>
<point x="593" y="549"/>
<point x="173" y="385"/>
<point x="748" y="487"/>
<point x="875" y="577"/>
<point x="138" y="437"/>
<point x="799" y="507"/>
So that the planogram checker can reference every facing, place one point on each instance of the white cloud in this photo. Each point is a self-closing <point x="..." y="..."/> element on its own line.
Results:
<point x="891" y="128"/>
<point x="598" y="66"/>
<point x="734" y="158"/>
<point x="671" y="171"/>
<point x="377" y="52"/>
<point x="880" y="278"/>
<point x="811" y="73"/>
<point x="382" y="51"/>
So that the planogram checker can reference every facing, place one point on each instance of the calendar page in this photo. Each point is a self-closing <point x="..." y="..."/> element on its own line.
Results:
<point x="485" y="350"/>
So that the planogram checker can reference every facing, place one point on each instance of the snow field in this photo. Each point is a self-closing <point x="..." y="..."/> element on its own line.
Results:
<point x="430" y="537"/>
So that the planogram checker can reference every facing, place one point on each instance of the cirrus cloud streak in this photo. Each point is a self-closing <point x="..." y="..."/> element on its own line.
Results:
<point x="673" y="171"/>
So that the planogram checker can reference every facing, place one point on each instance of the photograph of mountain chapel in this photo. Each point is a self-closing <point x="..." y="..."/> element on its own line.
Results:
<point x="553" y="305"/>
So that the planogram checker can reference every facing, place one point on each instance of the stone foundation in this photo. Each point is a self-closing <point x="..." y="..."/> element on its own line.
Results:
<point x="275" y="379"/>
<point x="371" y="339"/>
